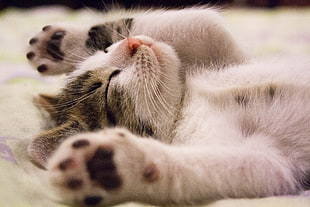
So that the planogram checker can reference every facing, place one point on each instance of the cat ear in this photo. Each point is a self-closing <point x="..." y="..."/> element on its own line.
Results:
<point x="47" y="102"/>
<point x="47" y="142"/>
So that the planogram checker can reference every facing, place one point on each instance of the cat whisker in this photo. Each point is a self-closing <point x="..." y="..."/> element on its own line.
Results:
<point x="164" y="85"/>
<point x="73" y="53"/>
<point x="117" y="33"/>
<point x="154" y="100"/>
<point x="150" y="97"/>
<point x="161" y="100"/>
<point x="92" y="11"/>
<point x="104" y="5"/>
<point x="73" y="59"/>
<point x="128" y="30"/>
<point x="146" y="95"/>
<point x="67" y="105"/>
<point x="88" y="53"/>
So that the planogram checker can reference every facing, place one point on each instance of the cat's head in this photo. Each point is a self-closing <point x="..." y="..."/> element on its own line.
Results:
<point x="144" y="86"/>
<point x="137" y="84"/>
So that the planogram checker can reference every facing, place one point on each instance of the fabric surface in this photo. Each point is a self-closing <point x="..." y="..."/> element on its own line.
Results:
<point x="261" y="32"/>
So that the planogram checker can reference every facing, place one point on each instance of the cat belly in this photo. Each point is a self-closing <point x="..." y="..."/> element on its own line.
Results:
<point x="277" y="112"/>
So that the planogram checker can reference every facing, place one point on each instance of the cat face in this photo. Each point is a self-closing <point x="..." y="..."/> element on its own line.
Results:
<point x="148" y="86"/>
<point x="137" y="84"/>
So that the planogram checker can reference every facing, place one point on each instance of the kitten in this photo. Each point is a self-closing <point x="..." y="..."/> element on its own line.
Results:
<point x="200" y="39"/>
<point x="231" y="133"/>
<point x="176" y="133"/>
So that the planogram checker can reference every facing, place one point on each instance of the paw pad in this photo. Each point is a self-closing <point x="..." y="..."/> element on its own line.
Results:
<point x="33" y="41"/>
<point x="102" y="169"/>
<point x="42" y="68"/>
<point x="59" y="48"/>
<point x="45" y="49"/>
<point x="53" y="46"/>
<point x="46" y="28"/>
<point x="92" y="200"/>
<point x="80" y="143"/>
<point x="151" y="173"/>
<point x="66" y="164"/>
<point x="94" y="168"/>
<point x="75" y="184"/>
<point x="30" y="55"/>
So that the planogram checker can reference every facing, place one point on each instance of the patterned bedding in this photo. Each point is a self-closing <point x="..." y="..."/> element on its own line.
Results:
<point x="262" y="33"/>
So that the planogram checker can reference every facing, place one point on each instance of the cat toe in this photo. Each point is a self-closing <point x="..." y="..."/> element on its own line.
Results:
<point x="94" y="159"/>
<point x="47" y="51"/>
<point x="100" y="168"/>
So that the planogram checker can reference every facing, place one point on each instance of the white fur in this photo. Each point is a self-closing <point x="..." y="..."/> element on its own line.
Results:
<point x="209" y="41"/>
<point x="213" y="154"/>
<point x="239" y="131"/>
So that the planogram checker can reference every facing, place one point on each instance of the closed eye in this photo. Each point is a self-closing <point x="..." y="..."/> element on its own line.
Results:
<point x="109" y="114"/>
<point x="114" y="73"/>
<point x="97" y="85"/>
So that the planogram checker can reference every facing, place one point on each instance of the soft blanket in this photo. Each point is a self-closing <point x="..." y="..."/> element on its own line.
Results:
<point x="261" y="32"/>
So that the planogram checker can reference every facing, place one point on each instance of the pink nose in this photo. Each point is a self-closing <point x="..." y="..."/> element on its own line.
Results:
<point x="133" y="44"/>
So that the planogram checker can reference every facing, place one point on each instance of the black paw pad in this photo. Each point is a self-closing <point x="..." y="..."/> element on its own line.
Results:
<point x="121" y="134"/>
<point x="67" y="163"/>
<point x="30" y="55"/>
<point x="42" y="68"/>
<point x="46" y="28"/>
<point x="92" y="200"/>
<point x="33" y="41"/>
<point x="151" y="173"/>
<point x="58" y="35"/>
<point x="102" y="169"/>
<point x="53" y="46"/>
<point x="75" y="184"/>
<point x="80" y="143"/>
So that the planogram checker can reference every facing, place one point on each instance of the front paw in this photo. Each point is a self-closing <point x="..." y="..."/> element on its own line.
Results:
<point x="102" y="168"/>
<point x="57" y="49"/>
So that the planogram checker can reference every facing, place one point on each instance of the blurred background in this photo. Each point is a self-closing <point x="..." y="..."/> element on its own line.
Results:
<point x="105" y="4"/>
